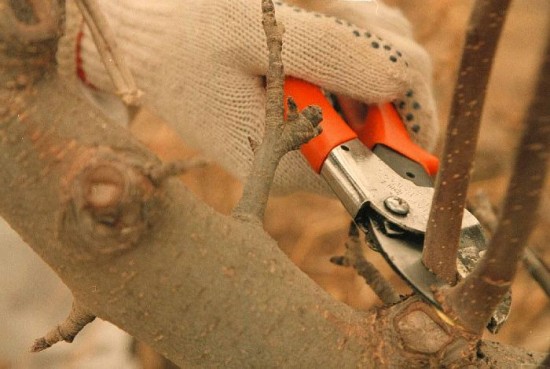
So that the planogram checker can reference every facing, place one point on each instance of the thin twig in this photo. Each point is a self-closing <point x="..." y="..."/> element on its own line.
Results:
<point x="280" y="136"/>
<point x="110" y="54"/>
<point x="176" y="168"/>
<point x="355" y="258"/>
<point x="483" y="210"/>
<point x="443" y="231"/>
<point x="78" y="318"/>
<point x="473" y="300"/>
<point x="538" y="270"/>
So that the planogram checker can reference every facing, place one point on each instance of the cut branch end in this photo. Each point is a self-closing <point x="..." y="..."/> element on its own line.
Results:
<point x="66" y="331"/>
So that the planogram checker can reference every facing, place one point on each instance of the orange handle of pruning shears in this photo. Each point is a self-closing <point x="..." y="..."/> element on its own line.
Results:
<point x="383" y="126"/>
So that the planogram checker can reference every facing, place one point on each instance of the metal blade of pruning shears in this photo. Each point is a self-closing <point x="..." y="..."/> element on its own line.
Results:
<point x="384" y="181"/>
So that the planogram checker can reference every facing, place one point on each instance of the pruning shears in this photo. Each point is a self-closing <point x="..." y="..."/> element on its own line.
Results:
<point x="384" y="180"/>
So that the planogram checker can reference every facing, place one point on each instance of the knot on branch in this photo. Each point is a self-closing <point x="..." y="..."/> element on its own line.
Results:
<point x="476" y="302"/>
<point x="109" y="205"/>
<point x="414" y="321"/>
<point x="28" y="36"/>
<point x="31" y="21"/>
<point x="427" y="334"/>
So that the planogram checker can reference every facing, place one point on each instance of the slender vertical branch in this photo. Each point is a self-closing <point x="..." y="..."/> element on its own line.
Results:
<point x="256" y="191"/>
<point x="443" y="232"/>
<point x="473" y="300"/>
<point x="280" y="136"/>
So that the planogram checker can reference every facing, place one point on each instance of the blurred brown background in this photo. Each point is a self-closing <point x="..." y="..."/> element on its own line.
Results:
<point x="309" y="228"/>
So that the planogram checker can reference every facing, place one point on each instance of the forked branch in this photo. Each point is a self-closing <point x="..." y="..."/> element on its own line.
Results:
<point x="473" y="300"/>
<point x="280" y="136"/>
<point x="443" y="231"/>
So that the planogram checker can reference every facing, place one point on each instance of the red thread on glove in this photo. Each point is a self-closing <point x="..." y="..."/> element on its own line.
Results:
<point x="78" y="58"/>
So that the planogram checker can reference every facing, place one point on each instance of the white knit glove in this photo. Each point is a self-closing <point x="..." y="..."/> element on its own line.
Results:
<point x="201" y="62"/>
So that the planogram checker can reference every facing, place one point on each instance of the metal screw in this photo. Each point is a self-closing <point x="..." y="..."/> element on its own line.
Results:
<point x="397" y="205"/>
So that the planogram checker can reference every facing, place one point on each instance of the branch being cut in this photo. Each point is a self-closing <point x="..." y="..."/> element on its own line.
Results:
<point x="473" y="300"/>
<point x="443" y="231"/>
<point x="280" y="136"/>
<point x="78" y="318"/>
<point x="110" y="54"/>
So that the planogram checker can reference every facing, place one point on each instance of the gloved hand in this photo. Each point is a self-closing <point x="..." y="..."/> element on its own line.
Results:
<point x="201" y="65"/>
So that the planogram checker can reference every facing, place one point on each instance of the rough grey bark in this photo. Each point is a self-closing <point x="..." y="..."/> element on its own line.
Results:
<point x="203" y="289"/>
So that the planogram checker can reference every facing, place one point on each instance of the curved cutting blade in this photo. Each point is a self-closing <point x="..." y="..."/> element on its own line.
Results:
<point x="403" y="251"/>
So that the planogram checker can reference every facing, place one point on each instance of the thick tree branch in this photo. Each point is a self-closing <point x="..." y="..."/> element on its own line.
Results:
<point x="78" y="183"/>
<point x="474" y="299"/>
<point x="194" y="273"/>
<point x="443" y="231"/>
<point x="203" y="289"/>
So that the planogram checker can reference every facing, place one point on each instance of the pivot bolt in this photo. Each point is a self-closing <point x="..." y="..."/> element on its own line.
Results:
<point x="397" y="205"/>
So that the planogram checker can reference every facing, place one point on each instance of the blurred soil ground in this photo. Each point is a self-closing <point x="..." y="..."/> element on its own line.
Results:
<point x="310" y="228"/>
